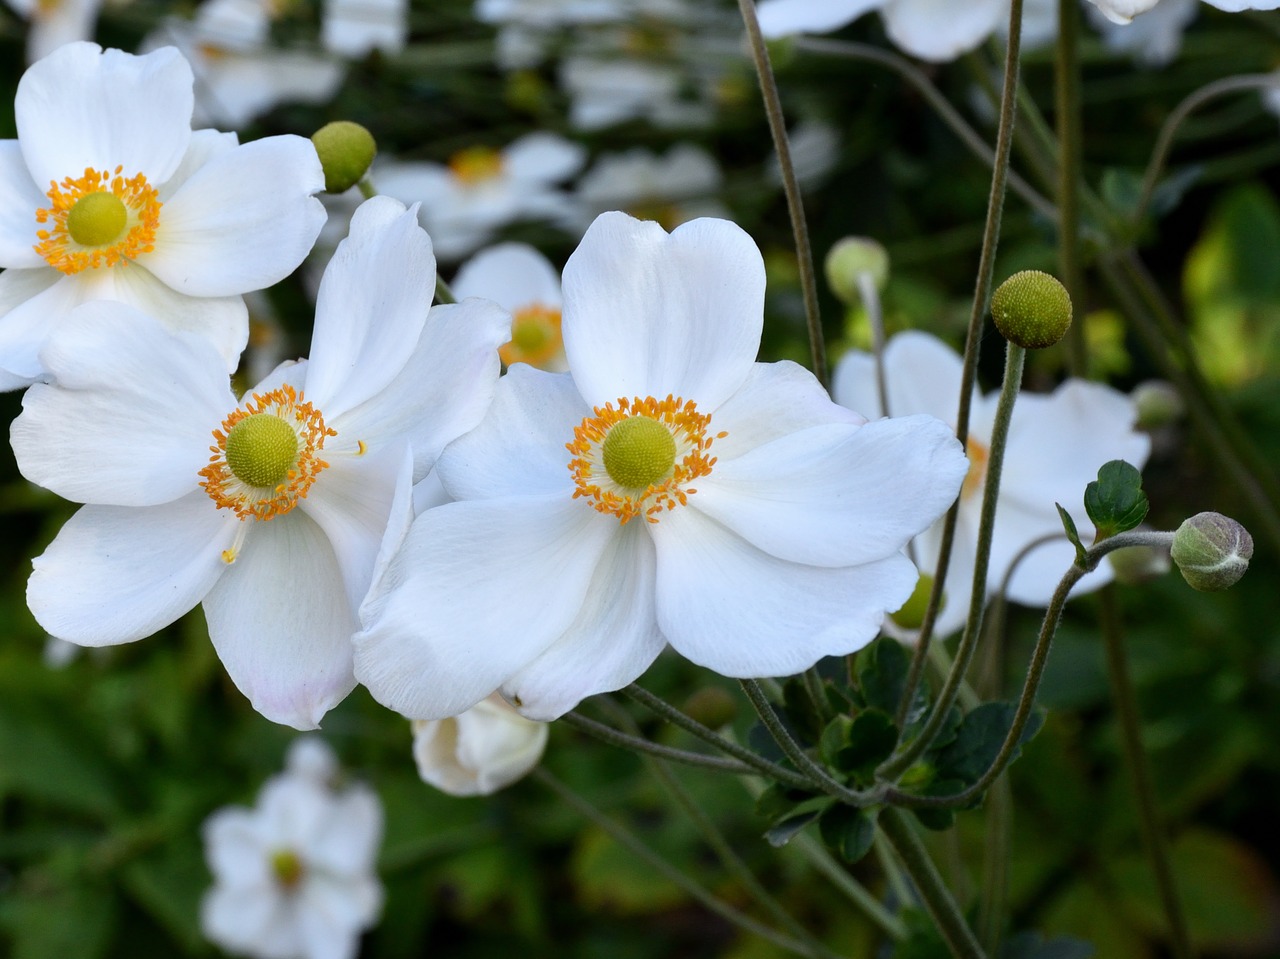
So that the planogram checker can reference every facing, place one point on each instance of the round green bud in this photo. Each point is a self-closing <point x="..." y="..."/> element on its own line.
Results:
<point x="712" y="706"/>
<point x="850" y="258"/>
<point x="638" y="452"/>
<point x="261" y="449"/>
<point x="346" y="150"/>
<point x="1159" y="404"/>
<point x="1031" y="309"/>
<point x="97" y="219"/>
<point x="1212" y="551"/>
<point x="911" y="615"/>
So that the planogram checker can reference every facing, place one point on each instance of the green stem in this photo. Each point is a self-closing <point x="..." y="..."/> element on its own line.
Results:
<point x="1070" y="136"/>
<point x="1015" y="358"/>
<point x="994" y="894"/>
<point x="790" y="187"/>
<point x="1153" y="832"/>
<point x="638" y="848"/>
<point x="641" y="745"/>
<point x="937" y="898"/>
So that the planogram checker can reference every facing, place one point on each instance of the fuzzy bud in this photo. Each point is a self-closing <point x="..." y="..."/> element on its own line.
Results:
<point x="346" y="150"/>
<point x="1031" y="309"/>
<point x="1212" y="551"/>
<point x="850" y="258"/>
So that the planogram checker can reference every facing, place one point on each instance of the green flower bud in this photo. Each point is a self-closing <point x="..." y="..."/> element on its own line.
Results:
<point x="911" y="615"/>
<point x="849" y="259"/>
<point x="1212" y="551"/>
<point x="346" y="149"/>
<point x="1031" y="309"/>
<point x="1159" y="404"/>
<point x="713" y="706"/>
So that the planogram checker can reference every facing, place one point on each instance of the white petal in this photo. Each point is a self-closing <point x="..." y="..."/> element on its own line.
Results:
<point x="514" y="275"/>
<point x="131" y="414"/>
<point x="838" y="495"/>
<point x="240" y="918"/>
<point x="647" y="314"/>
<point x="1122" y="11"/>
<point x="1235" y="6"/>
<point x="372" y="305"/>
<point x="115" y="574"/>
<point x="543" y="158"/>
<point x="613" y="640"/>
<point x="941" y="30"/>
<point x="923" y="376"/>
<point x="478" y="590"/>
<point x="234" y="848"/>
<point x="243" y="221"/>
<point x="23" y="323"/>
<point x="59" y="23"/>
<point x="281" y="622"/>
<point x="20" y="198"/>
<point x="348" y="843"/>
<point x="331" y="914"/>
<point x="82" y="107"/>
<point x="444" y="388"/>
<point x="781" y="17"/>
<point x="726" y="605"/>
<point x="202" y="148"/>
<point x="519" y="447"/>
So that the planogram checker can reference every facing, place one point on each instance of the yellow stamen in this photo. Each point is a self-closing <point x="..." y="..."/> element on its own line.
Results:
<point x="287" y="867"/>
<point x="229" y="489"/>
<point x="535" y="336"/>
<point x="96" y="235"/>
<point x="977" y="474"/>
<point x="475" y="165"/>
<point x="689" y="432"/>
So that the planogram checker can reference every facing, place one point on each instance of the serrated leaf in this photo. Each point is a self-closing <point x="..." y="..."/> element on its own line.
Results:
<point x="871" y="739"/>
<point x="978" y="741"/>
<point x="1073" y="534"/>
<point x="848" y="832"/>
<point x="1115" y="501"/>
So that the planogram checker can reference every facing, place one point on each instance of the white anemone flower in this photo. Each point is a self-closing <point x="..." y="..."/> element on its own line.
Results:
<point x="355" y="28"/>
<point x="1056" y="444"/>
<point x="108" y="194"/>
<point x="1152" y="38"/>
<point x="481" y="750"/>
<point x="294" y="876"/>
<point x="481" y="189"/>
<point x="269" y="509"/>
<point x="524" y="283"/>
<point x="1122" y="11"/>
<point x="51" y="23"/>
<point x="936" y="30"/>
<point x="669" y="489"/>
<point x="670" y="188"/>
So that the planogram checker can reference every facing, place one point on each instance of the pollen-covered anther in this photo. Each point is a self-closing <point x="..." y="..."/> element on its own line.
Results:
<point x="100" y="219"/>
<point x="265" y="455"/>
<point x="977" y="475"/>
<point x="638" y="458"/>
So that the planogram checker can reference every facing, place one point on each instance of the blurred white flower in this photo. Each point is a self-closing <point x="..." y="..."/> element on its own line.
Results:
<point x="1122" y="11"/>
<point x="671" y="188"/>
<point x="479" y="751"/>
<point x="1152" y="38"/>
<point x="51" y="23"/>
<point x="294" y="876"/>
<point x="1056" y="444"/>
<point x="355" y="28"/>
<point x="815" y="148"/>
<point x="524" y="283"/>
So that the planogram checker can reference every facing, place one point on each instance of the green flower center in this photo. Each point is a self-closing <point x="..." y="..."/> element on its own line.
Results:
<point x="262" y="449"/>
<point x="287" y="867"/>
<point x="638" y="452"/>
<point x="97" y="219"/>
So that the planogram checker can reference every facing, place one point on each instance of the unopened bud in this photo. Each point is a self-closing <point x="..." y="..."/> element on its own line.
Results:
<point x="911" y="615"/>
<point x="1031" y="309"/>
<point x="346" y="150"/>
<point x="851" y="258"/>
<point x="1212" y="551"/>
<point x="1158" y="402"/>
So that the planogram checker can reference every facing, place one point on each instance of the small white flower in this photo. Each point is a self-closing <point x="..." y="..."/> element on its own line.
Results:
<point x="1152" y="38"/>
<point x="668" y="489"/>
<point x="51" y="23"/>
<point x="1056" y="444"/>
<point x="276" y="533"/>
<point x="479" y="751"/>
<point x="524" y="283"/>
<point x="355" y="28"/>
<point x="294" y="876"/>
<point x="671" y="188"/>
<point x="1122" y="11"/>
<point x="108" y="194"/>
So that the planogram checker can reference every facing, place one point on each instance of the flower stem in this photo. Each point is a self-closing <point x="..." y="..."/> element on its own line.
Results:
<point x="1153" y="833"/>
<point x="644" y="746"/>
<point x="790" y="187"/>
<point x="937" y="898"/>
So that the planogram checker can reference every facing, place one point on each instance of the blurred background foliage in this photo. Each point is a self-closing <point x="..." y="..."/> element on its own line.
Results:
<point x="110" y="761"/>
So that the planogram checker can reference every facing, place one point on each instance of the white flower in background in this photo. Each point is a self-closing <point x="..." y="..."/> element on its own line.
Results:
<point x="815" y="149"/>
<point x="51" y="23"/>
<point x="1039" y="24"/>
<point x="355" y="28"/>
<point x="294" y="876"/>
<point x="1152" y="38"/>
<point x="668" y="489"/>
<point x="672" y="188"/>
<point x="277" y="532"/>
<point x="528" y="28"/>
<point x="524" y="283"/>
<point x="108" y="194"/>
<point x="479" y="751"/>
<point x="936" y="30"/>
<point x="1056" y="444"/>
<point x="240" y="73"/>
<point x="1122" y="11"/>
<point x="480" y="189"/>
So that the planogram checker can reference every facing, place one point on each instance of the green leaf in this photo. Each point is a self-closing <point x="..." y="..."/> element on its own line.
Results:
<point x="834" y="739"/>
<point x="1115" y="500"/>
<point x="939" y="820"/>
<point x="1073" y="534"/>
<point x="882" y="670"/>
<point x="979" y="739"/>
<point x="75" y="922"/>
<point x="803" y="714"/>
<point x="782" y="833"/>
<point x="848" y="832"/>
<point x="871" y="739"/>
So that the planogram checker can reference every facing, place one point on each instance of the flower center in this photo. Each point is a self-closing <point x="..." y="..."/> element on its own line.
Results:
<point x="475" y="165"/>
<point x="265" y="456"/>
<point x="535" y="336"/>
<point x="977" y="474"/>
<point x="100" y="219"/>
<point x="287" y="867"/>
<point x="638" y="459"/>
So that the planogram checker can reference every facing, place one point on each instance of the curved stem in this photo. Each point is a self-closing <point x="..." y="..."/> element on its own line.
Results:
<point x="639" y="744"/>
<point x="790" y="187"/>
